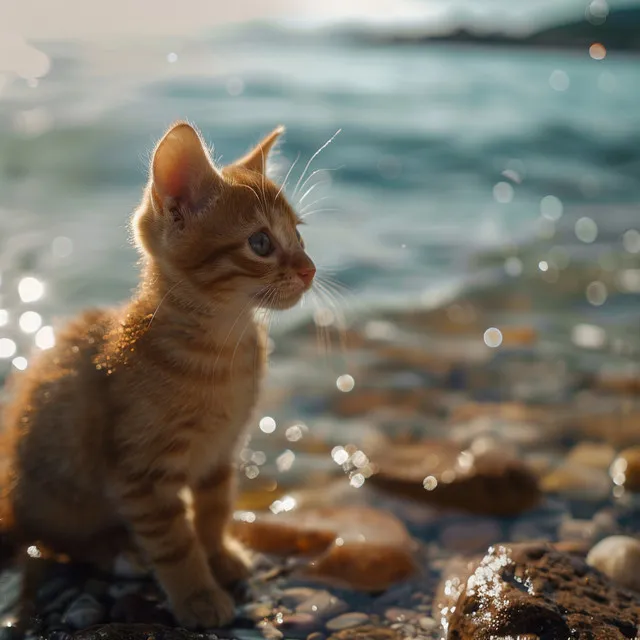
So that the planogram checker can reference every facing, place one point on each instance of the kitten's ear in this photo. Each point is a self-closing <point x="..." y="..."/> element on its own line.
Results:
<point x="182" y="174"/>
<point x="256" y="159"/>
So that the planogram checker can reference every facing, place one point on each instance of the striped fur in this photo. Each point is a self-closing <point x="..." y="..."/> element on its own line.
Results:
<point x="134" y="404"/>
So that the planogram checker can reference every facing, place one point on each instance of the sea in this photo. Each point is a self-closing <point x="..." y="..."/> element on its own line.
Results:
<point x="446" y="164"/>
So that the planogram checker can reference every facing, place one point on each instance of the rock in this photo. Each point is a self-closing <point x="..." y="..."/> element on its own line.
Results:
<point x="84" y="612"/>
<point x="577" y="482"/>
<point x="62" y="601"/>
<point x="439" y="474"/>
<point x="347" y="620"/>
<point x="10" y="633"/>
<point x="597" y="455"/>
<point x="396" y="614"/>
<point x="120" y="589"/>
<point x="428" y="624"/>
<point x="360" y="547"/>
<point x="134" y="608"/>
<point x="298" y="622"/>
<point x="535" y="591"/>
<point x="366" y="632"/>
<point x="619" y="558"/>
<point x="322" y="604"/>
<point x="269" y="631"/>
<point x="625" y="469"/>
<point x="292" y="597"/>
<point x="140" y="632"/>
<point x="316" y="636"/>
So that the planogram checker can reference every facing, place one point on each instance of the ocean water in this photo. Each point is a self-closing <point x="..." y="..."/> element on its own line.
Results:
<point x="445" y="156"/>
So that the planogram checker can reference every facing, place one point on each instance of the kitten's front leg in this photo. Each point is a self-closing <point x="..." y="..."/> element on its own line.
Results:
<point x="213" y="498"/>
<point x="158" y="519"/>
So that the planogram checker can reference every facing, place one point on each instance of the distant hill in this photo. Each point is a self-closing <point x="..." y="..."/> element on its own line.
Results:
<point x="619" y="32"/>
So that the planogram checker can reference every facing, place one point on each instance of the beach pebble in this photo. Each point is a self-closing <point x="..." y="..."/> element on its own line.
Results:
<point x="84" y="612"/>
<point x="619" y="558"/>
<point x="597" y="455"/>
<point x="322" y="604"/>
<point x="269" y="631"/>
<point x="577" y="482"/>
<point x="120" y="589"/>
<point x="347" y="620"/>
<point x="62" y="600"/>
<point x="316" y="636"/>
<point x="428" y="624"/>
<point x="298" y="622"/>
<point x="625" y="469"/>
<point x="293" y="596"/>
<point x="400" y="615"/>
<point x="439" y="473"/>
<point x="360" y="547"/>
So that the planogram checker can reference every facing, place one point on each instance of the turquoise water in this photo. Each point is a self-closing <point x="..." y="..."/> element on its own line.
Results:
<point x="443" y="154"/>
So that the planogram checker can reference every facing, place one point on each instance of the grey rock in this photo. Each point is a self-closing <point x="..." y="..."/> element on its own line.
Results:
<point x="347" y="620"/>
<point x="10" y="582"/>
<point x="84" y="612"/>
<point x="322" y="604"/>
<point x="62" y="601"/>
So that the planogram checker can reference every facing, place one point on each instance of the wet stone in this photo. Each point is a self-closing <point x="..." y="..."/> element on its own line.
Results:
<point x="400" y="615"/>
<point x="322" y="604"/>
<point x="62" y="600"/>
<point x="346" y="621"/>
<point x="619" y="558"/>
<point x="316" y="635"/>
<point x="440" y="474"/>
<point x="535" y="590"/>
<point x="120" y="589"/>
<point x="134" y="608"/>
<point x="84" y="612"/>
<point x="293" y="596"/>
<point x="298" y="622"/>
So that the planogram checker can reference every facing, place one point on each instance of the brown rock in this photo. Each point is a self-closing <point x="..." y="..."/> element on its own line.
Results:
<point x="366" y="632"/>
<point x="356" y="546"/>
<point x="625" y="469"/>
<point x="362" y="401"/>
<point x="535" y="591"/>
<point x="440" y="474"/>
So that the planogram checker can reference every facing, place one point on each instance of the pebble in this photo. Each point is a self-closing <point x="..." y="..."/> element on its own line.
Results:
<point x="360" y="547"/>
<point x="293" y="596"/>
<point x="400" y="615"/>
<point x="346" y="621"/>
<point x="578" y="482"/>
<point x="428" y="624"/>
<point x="597" y="455"/>
<point x="120" y="589"/>
<point x="322" y="604"/>
<point x="316" y="636"/>
<point x="84" y="612"/>
<point x="269" y="631"/>
<point x="299" y="621"/>
<point x="256" y="611"/>
<point x="619" y="558"/>
<point x="62" y="600"/>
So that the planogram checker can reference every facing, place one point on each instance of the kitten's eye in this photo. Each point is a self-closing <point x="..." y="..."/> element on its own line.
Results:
<point x="298" y="236"/>
<point x="261" y="244"/>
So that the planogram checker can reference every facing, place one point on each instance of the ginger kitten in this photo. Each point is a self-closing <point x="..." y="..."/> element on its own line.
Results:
<point x="134" y="404"/>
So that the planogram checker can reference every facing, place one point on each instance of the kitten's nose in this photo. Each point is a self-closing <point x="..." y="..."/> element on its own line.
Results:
<point x="306" y="274"/>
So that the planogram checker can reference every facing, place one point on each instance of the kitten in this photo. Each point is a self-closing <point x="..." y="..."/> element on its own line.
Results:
<point x="134" y="404"/>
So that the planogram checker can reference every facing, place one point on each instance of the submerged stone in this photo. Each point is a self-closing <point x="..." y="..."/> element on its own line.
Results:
<point x="359" y="547"/>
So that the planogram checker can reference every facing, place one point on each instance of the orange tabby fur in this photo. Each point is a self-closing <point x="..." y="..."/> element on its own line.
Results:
<point x="134" y="404"/>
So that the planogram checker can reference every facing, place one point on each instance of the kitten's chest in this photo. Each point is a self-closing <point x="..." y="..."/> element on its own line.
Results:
<point x="226" y="408"/>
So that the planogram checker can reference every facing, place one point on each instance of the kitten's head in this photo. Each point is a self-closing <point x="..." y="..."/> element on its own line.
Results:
<point x="225" y="233"/>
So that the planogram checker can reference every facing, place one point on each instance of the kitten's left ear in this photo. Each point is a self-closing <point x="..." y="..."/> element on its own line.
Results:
<point x="256" y="159"/>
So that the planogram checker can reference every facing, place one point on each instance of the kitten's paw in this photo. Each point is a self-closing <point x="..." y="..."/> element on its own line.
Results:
<point x="206" y="609"/>
<point x="230" y="564"/>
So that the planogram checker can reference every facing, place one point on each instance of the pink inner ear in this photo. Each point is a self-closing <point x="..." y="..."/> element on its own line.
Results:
<point x="171" y="176"/>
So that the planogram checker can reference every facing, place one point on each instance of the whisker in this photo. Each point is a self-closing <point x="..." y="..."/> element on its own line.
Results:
<point x="313" y="157"/>
<point x="311" y="188"/>
<point x="316" y="171"/>
<point x="313" y="204"/>
<point x="284" y="183"/>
